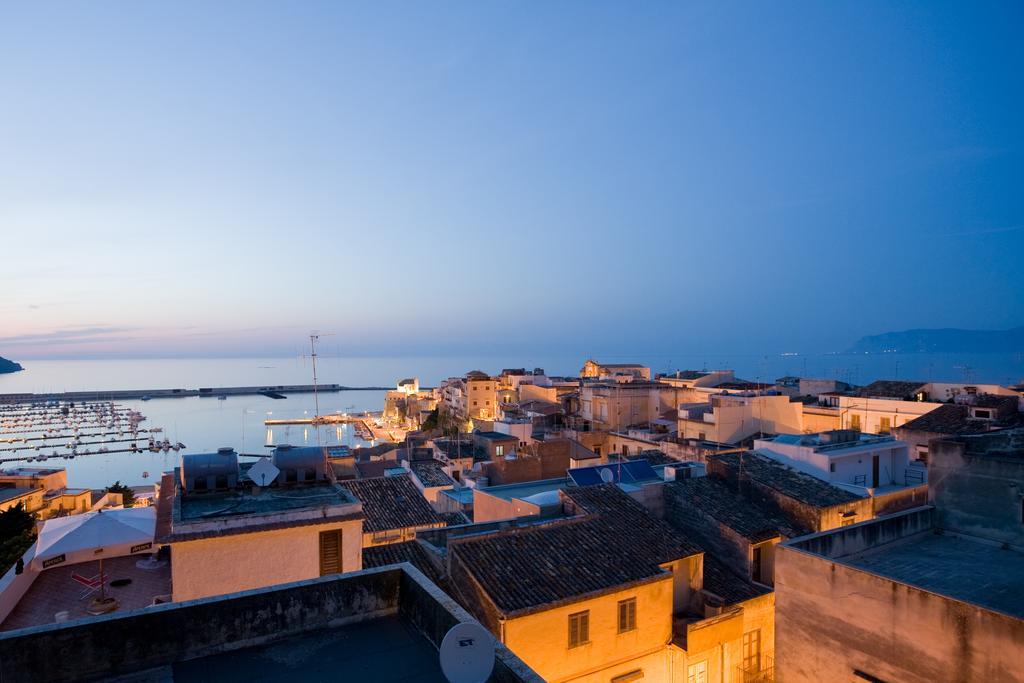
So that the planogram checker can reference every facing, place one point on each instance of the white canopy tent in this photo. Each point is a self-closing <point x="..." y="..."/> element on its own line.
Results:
<point x="95" y="535"/>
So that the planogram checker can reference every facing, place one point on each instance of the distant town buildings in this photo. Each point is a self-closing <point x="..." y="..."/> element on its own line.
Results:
<point x="619" y="525"/>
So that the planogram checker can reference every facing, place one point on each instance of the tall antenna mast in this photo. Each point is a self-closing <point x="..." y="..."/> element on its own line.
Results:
<point x="316" y="398"/>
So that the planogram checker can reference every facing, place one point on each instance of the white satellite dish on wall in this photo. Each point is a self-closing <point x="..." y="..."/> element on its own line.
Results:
<point x="607" y="476"/>
<point x="263" y="472"/>
<point x="467" y="654"/>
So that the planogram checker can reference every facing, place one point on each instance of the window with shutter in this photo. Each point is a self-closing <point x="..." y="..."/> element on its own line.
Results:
<point x="330" y="552"/>
<point x="627" y="615"/>
<point x="579" y="628"/>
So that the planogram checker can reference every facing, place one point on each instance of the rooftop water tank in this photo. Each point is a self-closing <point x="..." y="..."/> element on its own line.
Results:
<point x="209" y="471"/>
<point x="300" y="464"/>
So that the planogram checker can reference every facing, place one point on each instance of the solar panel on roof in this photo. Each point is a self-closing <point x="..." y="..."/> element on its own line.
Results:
<point x="638" y="470"/>
<point x="630" y="471"/>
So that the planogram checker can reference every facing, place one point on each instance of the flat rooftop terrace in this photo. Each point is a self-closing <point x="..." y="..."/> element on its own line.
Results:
<point x="954" y="566"/>
<point x="55" y="591"/>
<point x="205" y="506"/>
<point x="384" y="650"/>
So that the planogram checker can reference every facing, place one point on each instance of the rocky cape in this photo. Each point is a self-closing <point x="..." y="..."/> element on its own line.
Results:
<point x="948" y="340"/>
<point x="8" y="366"/>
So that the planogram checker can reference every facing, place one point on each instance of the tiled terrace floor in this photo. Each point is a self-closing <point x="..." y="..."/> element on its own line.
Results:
<point x="55" y="591"/>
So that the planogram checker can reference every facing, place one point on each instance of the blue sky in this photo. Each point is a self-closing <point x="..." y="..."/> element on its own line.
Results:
<point x="198" y="178"/>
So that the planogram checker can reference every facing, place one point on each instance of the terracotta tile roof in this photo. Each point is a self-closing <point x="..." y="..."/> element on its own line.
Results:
<point x="727" y="584"/>
<point x="392" y="503"/>
<point x="782" y="478"/>
<point x="431" y="473"/>
<point x="755" y="521"/>
<point x="412" y="552"/>
<point x="952" y="418"/>
<point x="654" y="457"/>
<point x="454" y="518"/>
<point x="614" y="542"/>
<point x="885" y="388"/>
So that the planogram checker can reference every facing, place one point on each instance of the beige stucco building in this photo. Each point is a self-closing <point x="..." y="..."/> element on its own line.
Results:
<point x="732" y="418"/>
<point x="229" y="529"/>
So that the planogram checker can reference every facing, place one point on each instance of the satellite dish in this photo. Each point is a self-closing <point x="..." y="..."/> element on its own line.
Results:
<point x="263" y="472"/>
<point x="607" y="476"/>
<point x="467" y="654"/>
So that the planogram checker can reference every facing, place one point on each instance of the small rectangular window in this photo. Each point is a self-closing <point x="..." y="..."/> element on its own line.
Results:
<point x="855" y="422"/>
<point x="697" y="673"/>
<point x="627" y="615"/>
<point x="884" y="425"/>
<point x="579" y="628"/>
<point x="831" y="467"/>
<point x="499" y="450"/>
<point x="330" y="552"/>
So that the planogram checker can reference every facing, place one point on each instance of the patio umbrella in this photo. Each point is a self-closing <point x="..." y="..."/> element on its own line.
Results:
<point x="95" y="535"/>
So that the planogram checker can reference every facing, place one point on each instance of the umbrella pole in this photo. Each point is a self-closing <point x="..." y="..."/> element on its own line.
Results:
<point x="103" y="583"/>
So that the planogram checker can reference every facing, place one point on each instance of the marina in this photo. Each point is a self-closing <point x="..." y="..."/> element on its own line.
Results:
<point x="37" y="432"/>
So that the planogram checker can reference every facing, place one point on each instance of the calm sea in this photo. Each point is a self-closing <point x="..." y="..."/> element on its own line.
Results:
<point x="204" y="424"/>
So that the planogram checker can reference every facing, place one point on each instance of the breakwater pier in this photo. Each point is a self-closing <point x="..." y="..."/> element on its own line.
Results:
<point x="277" y="390"/>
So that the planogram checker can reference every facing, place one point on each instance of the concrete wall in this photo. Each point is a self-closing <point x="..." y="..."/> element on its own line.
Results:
<point x="818" y="419"/>
<point x="488" y="508"/>
<point x="860" y="537"/>
<point x="227" y="564"/>
<point x="833" y="620"/>
<point x="551" y="464"/>
<point x="902" y="499"/>
<point x="979" y="495"/>
<point x="157" y="636"/>
<point x="14" y="586"/>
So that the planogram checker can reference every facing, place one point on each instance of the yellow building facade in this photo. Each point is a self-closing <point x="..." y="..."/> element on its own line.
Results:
<point x="611" y="650"/>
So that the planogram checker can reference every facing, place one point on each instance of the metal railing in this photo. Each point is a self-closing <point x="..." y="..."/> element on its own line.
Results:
<point x="765" y="673"/>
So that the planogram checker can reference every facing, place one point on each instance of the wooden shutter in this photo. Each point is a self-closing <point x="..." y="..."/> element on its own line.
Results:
<point x="627" y="615"/>
<point x="579" y="628"/>
<point x="330" y="552"/>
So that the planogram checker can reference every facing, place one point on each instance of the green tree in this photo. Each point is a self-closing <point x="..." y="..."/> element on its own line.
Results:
<point x="127" y="495"/>
<point x="17" y="533"/>
<point x="431" y="423"/>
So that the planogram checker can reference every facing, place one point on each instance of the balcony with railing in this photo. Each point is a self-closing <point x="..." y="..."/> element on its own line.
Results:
<point x="763" y="672"/>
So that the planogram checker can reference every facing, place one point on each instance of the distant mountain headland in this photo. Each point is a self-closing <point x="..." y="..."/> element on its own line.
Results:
<point x="8" y="366"/>
<point x="948" y="340"/>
